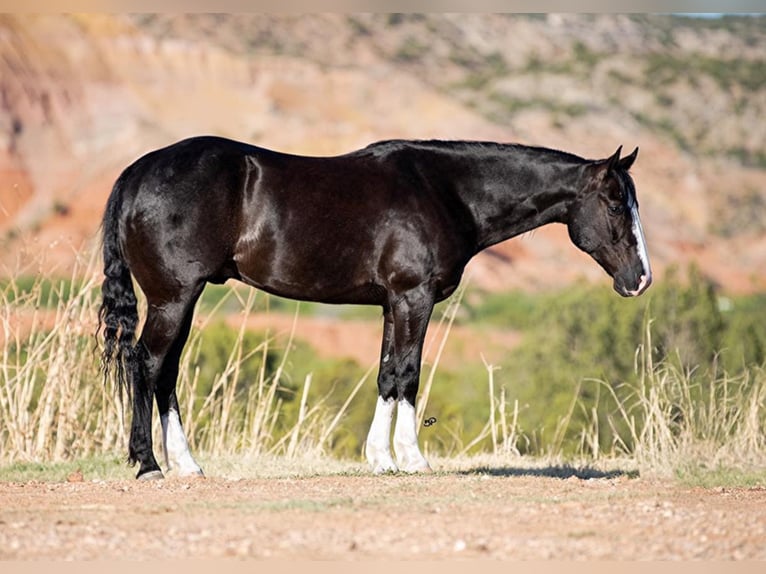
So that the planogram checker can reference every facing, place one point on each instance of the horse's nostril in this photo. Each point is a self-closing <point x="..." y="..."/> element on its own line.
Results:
<point x="643" y="284"/>
<point x="646" y="280"/>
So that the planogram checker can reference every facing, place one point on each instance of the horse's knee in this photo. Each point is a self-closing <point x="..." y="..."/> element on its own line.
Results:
<point x="407" y="384"/>
<point x="387" y="385"/>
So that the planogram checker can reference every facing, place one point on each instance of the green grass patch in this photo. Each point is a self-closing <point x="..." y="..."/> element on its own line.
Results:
<point x="101" y="467"/>
<point x="46" y="292"/>
<point x="722" y="477"/>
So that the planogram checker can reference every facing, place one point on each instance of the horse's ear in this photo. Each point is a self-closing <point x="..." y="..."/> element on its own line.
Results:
<point x="614" y="161"/>
<point x="628" y="160"/>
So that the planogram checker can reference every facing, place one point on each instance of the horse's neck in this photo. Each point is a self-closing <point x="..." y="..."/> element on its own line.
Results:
<point x="514" y="194"/>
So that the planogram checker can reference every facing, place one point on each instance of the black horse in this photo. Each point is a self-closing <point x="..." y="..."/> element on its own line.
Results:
<point x="393" y="224"/>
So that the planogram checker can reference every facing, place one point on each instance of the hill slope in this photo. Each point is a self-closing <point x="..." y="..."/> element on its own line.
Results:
<point x="81" y="96"/>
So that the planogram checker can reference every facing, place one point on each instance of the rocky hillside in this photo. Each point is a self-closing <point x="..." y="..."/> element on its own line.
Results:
<point x="81" y="96"/>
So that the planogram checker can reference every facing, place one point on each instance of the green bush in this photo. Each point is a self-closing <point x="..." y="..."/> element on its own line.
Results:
<point x="582" y="339"/>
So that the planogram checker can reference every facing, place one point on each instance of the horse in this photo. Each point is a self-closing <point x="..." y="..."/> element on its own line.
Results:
<point x="392" y="225"/>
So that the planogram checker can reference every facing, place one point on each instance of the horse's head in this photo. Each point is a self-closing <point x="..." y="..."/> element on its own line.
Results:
<point x="603" y="222"/>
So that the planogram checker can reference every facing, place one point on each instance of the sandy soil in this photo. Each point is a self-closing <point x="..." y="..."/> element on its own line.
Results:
<point x="504" y="513"/>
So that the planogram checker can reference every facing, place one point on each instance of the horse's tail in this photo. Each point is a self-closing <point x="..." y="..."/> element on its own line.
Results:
<point x="118" y="314"/>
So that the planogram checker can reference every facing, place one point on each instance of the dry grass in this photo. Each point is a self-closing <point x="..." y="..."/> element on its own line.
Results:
<point x="677" y="421"/>
<point x="46" y="354"/>
<point x="669" y="423"/>
<point x="247" y="427"/>
<point x="54" y="408"/>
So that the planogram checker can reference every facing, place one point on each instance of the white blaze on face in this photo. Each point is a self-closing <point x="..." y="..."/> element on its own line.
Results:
<point x="378" y="448"/>
<point x="406" y="440"/>
<point x="177" y="454"/>
<point x="643" y="252"/>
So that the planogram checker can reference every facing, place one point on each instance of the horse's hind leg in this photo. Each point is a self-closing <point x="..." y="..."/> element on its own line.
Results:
<point x="140" y="444"/>
<point x="162" y="339"/>
<point x="178" y="457"/>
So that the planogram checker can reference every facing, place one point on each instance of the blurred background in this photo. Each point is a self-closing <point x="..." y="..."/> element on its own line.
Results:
<point x="81" y="96"/>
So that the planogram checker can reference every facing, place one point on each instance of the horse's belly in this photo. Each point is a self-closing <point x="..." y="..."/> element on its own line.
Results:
<point x="326" y="276"/>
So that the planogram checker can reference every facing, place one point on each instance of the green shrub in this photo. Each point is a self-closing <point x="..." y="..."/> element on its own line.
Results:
<point x="587" y="337"/>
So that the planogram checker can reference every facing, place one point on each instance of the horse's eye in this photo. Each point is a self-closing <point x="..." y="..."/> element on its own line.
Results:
<point x="616" y="209"/>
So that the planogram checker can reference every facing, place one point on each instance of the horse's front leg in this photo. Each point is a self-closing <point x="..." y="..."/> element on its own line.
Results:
<point x="411" y="315"/>
<point x="378" y="447"/>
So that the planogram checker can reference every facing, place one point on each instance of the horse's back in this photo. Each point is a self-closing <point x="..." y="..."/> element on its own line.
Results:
<point x="199" y="160"/>
<point x="333" y="229"/>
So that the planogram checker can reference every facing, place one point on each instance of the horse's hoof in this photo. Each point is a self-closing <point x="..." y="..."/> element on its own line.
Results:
<point x="151" y="475"/>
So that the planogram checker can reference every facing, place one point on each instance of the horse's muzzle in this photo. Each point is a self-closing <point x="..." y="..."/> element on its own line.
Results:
<point x="643" y="284"/>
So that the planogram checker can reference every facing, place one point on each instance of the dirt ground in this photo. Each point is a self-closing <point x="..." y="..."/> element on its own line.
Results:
<point x="501" y="513"/>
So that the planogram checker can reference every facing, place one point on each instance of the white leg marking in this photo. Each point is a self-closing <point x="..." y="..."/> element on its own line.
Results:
<point x="378" y="448"/>
<point x="177" y="455"/>
<point x="408" y="453"/>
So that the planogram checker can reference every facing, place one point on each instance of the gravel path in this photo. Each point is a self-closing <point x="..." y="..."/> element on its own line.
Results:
<point x="440" y="516"/>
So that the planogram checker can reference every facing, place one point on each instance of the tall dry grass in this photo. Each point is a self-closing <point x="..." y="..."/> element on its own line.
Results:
<point x="53" y="406"/>
<point x="47" y="412"/>
<point x="249" y="426"/>
<point x="669" y="422"/>
<point x="676" y="420"/>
